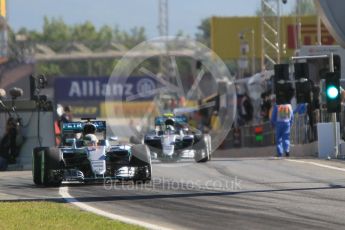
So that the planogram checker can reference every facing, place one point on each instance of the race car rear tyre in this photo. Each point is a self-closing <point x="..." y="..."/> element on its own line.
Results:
<point x="47" y="166"/>
<point x="203" y="149"/>
<point x="141" y="159"/>
<point x="36" y="165"/>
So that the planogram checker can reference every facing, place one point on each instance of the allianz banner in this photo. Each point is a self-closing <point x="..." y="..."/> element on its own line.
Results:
<point x="134" y="88"/>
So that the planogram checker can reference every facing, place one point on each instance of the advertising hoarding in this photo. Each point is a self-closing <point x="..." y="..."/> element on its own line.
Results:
<point x="87" y="95"/>
<point x="137" y="88"/>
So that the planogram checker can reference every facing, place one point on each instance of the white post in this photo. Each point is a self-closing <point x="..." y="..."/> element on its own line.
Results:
<point x="318" y="30"/>
<point x="334" y="115"/>
<point x="253" y="52"/>
<point x="299" y="27"/>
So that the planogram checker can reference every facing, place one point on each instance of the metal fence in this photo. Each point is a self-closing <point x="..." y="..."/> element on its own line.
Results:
<point x="303" y="130"/>
<point x="247" y="135"/>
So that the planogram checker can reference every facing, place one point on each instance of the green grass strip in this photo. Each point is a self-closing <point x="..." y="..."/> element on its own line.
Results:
<point x="50" y="215"/>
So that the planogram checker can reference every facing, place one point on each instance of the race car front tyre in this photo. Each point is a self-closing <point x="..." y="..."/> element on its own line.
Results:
<point x="141" y="160"/>
<point x="47" y="166"/>
<point x="36" y="165"/>
<point x="203" y="149"/>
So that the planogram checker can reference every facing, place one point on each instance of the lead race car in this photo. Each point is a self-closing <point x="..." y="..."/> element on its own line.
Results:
<point x="173" y="139"/>
<point x="75" y="160"/>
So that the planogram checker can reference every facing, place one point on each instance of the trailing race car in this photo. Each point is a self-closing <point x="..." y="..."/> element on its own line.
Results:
<point x="90" y="157"/>
<point x="172" y="139"/>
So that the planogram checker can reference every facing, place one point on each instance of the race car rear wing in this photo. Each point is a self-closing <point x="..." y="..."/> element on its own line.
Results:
<point x="77" y="127"/>
<point x="181" y="119"/>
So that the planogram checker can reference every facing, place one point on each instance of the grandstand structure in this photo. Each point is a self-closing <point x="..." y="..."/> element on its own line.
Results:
<point x="44" y="52"/>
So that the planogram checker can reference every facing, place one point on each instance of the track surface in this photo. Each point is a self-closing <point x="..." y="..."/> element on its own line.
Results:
<point x="249" y="193"/>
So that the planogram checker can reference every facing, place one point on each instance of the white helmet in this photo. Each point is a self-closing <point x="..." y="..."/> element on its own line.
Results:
<point x="90" y="139"/>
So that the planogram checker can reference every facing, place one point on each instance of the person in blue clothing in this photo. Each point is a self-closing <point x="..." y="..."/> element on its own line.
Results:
<point x="281" y="119"/>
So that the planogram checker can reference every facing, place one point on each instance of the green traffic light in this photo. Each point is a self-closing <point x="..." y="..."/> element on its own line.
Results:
<point x="259" y="138"/>
<point x="332" y="92"/>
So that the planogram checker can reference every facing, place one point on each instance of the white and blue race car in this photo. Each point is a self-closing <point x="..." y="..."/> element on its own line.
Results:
<point x="173" y="139"/>
<point x="74" y="160"/>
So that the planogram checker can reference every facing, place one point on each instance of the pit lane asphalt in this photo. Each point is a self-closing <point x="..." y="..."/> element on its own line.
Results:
<point x="236" y="193"/>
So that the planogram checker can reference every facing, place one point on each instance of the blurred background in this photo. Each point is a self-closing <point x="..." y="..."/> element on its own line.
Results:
<point x="77" y="44"/>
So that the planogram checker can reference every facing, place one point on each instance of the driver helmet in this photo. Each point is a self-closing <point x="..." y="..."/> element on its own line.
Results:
<point x="169" y="121"/>
<point x="89" y="128"/>
<point x="90" y="140"/>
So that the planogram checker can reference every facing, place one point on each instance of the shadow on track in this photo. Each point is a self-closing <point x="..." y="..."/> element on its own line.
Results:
<point x="167" y="196"/>
<point x="199" y="194"/>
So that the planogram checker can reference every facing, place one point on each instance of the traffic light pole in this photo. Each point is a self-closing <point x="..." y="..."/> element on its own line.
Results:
<point x="334" y="115"/>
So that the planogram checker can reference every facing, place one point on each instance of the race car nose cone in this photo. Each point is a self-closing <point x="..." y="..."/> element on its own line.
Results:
<point x="168" y="150"/>
<point x="168" y="144"/>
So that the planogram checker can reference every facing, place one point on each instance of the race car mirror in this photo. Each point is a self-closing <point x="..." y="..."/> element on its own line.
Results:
<point x="72" y="142"/>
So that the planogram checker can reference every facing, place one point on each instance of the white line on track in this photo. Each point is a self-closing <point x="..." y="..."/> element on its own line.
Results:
<point x="63" y="191"/>
<point x="317" y="164"/>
